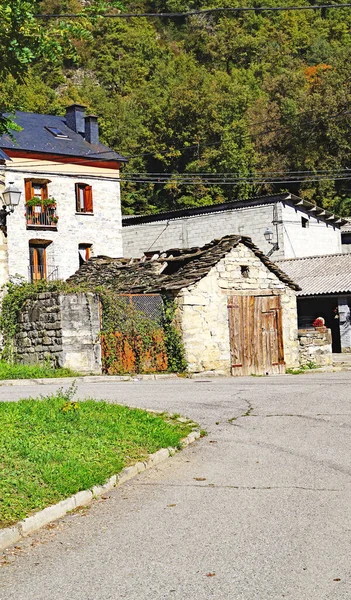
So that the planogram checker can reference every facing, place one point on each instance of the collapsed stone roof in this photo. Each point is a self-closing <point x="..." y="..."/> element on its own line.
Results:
<point x="170" y="270"/>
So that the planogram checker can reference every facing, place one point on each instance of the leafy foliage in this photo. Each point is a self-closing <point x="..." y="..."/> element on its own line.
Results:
<point x="131" y="342"/>
<point x="245" y="94"/>
<point x="173" y="339"/>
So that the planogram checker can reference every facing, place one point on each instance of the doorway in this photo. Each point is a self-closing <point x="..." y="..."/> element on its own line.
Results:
<point x="308" y="309"/>
<point x="37" y="259"/>
<point x="256" y="335"/>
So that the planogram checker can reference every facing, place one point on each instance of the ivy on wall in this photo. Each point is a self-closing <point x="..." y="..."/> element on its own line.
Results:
<point x="131" y="341"/>
<point x="173" y="339"/>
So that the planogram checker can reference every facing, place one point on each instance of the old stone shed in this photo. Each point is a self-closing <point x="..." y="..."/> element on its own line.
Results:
<point x="235" y="308"/>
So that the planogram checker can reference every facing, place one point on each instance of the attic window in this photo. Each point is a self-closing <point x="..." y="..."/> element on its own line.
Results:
<point x="244" y="271"/>
<point x="305" y="223"/>
<point x="57" y="133"/>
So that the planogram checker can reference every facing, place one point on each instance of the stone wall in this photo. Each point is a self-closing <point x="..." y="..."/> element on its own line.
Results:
<point x="315" y="346"/>
<point x="203" y="312"/>
<point x="101" y="229"/>
<point x="62" y="329"/>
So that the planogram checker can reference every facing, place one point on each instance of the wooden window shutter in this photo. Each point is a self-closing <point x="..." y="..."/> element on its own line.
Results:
<point x="28" y="190"/>
<point x="44" y="192"/>
<point x="88" y="198"/>
<point x="77" y="197"/>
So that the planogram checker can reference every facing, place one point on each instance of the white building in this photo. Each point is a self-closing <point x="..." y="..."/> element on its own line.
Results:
<point x="297" y="227"/>
<point x="70" y="208"/>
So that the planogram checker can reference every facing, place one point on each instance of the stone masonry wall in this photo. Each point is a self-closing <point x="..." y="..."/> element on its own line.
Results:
<point x="316" y="346"/>
<point x="102" y="228"/>
<point x="63" y="329"/>
<point x="40" y="335"/>
<point x="203" y="313"/>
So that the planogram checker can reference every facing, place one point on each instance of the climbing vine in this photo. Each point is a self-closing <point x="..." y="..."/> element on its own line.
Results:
<point x="173" y="339"/>
<point x="131" y="341"/>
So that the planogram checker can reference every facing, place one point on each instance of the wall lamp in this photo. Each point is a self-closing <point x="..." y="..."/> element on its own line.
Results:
<point x="11" y="197"/>
<point x="268" y="234"/>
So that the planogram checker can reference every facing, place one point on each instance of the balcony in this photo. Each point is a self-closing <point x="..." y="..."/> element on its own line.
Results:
<point x="38" y="272"/>
<point x="41" y="217"/>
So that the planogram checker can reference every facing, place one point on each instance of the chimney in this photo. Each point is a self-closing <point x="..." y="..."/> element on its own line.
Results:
<point x="91" y="129"/>
<point x="75" y="118"/>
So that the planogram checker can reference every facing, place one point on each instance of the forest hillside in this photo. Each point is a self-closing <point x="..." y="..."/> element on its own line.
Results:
<point x="220" y="106"/>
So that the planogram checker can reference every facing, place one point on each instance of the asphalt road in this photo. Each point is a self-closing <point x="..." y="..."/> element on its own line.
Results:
<point x="259" y="509"/>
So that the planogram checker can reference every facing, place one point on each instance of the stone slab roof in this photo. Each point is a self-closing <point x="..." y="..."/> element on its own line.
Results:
<point x="34" y="137"/>
<point x="316" y="275"/>
<point x="305" y="205"/>
<point x="169" y="271"/>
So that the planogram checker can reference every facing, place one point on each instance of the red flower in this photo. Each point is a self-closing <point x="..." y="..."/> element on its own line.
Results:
<point x="319" y="322"/>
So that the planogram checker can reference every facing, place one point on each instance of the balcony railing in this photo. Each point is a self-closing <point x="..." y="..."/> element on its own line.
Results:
<point x="38" y="216"/>
<point x="37" y="272"/>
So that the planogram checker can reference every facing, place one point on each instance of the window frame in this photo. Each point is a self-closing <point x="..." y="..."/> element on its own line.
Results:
<point x="29" y="185"/>
<point x="87" y="199"/>
<point x="87" y="250"/>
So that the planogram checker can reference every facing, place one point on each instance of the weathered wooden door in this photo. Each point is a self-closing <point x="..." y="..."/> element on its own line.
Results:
<point x="256" y="336"/>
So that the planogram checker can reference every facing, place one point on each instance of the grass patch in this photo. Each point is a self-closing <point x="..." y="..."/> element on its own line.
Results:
<point x="53" y="447"/>
<point x="37" y="371"/>
<point x="302" y="368"/>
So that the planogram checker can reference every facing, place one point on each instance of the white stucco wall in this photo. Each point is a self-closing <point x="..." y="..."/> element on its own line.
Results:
<point x="318" y="238"/>
<point x="203" y="311"/>
<point x="102" y="229"/>
<point x="184" y="232"/>
<point x="198" y="230"/>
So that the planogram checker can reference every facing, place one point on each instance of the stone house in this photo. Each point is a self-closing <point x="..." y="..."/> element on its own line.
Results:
<point x="236" y="309"/>
<point x="297" y="227"/>
<point x="70" y="208"/>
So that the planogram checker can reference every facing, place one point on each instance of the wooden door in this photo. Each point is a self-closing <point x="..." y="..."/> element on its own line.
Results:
<point x="37" y="255"/>
<point x="256" y="336"/>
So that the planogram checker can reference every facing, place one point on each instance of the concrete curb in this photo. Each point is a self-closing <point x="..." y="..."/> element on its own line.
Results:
<point x="89" y="379"/>
<point x="12" y="535"/>
<point x="135" y="378"/>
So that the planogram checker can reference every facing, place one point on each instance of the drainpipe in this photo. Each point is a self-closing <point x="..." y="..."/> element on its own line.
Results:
<point x="4" y="257"/>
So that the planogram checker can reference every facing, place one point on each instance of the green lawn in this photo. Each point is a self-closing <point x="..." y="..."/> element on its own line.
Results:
<point x="53" y="447"/>
<point x="19" y="371"/>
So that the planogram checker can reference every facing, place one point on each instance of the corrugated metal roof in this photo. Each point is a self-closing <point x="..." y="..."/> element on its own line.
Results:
<point x="327" y="274"/>
<point x="287" y="198"/>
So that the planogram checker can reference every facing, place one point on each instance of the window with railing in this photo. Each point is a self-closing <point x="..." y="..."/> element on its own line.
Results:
<point x="38" y="266"/>
<point x="40" y="209"/>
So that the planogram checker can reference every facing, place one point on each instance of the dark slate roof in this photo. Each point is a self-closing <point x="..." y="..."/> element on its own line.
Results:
<point x="307" y="207"/>
<point x="316" y="275"/>
<point x="171" y="270"/>
<point x="35" y="137"/>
